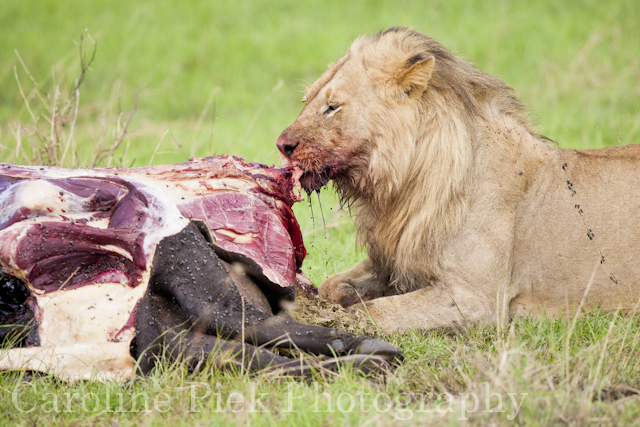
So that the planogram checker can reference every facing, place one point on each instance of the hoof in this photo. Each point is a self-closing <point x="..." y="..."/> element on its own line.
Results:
<point x="381" y="349"/>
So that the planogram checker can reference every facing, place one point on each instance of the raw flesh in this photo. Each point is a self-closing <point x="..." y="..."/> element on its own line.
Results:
<point x="82" y="242"/>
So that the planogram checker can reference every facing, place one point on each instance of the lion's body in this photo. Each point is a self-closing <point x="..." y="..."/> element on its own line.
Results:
<point x="560" y="240"/>
<point x="467" y="214"/>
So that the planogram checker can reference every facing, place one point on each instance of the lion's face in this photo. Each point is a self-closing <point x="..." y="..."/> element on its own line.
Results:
<point x="331" y="137"/>
<point x="360" y="121"/>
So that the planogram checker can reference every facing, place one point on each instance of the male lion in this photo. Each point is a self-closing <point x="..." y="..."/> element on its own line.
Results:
<point x="467" y="214"/>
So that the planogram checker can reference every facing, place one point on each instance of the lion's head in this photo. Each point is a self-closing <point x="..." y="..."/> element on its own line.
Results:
<point x="394" y="123"/>
<point x="355" y="110"/>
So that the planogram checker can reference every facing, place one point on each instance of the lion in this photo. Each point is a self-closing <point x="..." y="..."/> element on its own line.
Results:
<point x="467" y="214"/>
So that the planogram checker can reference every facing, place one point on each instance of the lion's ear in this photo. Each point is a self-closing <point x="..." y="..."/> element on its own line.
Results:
<point x="415" y="74"/>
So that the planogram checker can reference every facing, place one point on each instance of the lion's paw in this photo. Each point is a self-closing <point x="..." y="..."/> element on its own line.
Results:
<point x="339" y="293"/>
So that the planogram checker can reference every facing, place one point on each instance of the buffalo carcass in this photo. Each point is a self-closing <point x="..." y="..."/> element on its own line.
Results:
<point x="104" y="267"/>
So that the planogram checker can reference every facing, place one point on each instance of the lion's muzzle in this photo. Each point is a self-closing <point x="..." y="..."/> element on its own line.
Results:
<point x="287" y="143"/>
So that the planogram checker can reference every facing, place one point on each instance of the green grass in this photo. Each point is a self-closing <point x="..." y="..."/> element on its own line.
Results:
<point x="227" y="77"/>
<point x="596" y="385"/>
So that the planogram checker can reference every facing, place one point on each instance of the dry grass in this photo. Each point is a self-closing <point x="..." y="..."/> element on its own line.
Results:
<point x="55" y="111"/>
<point x="312" y="310"/>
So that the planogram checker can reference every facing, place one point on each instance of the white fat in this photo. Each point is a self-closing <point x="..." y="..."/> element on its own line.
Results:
<point x="7" y="200"/>
<point x="160" y="206"/>
<point x="81" y="336"/>
<point x="90" y="314"/>
<point x="237" y="238"/>
<point x="9" y="242"/>
<point x="105" y="361"/>
<point x="53" y="172"/>
<point x="41" y="198"/>
<point x="187" y="188"/>
<point x="116" y="249"/>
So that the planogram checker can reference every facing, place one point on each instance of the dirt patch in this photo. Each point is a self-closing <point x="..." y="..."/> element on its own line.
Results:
<point x="312" y="310"/>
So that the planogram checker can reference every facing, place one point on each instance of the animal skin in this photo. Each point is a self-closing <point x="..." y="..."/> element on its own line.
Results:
<point x="104" y="270"/>
<point x="467" y="214"/>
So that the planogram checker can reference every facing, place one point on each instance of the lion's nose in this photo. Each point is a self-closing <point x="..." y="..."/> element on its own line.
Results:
<point x="287" y="146"/>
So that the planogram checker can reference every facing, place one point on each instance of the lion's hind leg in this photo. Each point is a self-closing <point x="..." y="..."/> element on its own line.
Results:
<point x="447" y="309"/>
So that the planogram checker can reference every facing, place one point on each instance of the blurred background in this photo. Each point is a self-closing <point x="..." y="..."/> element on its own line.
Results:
<point x="212" y="77"/>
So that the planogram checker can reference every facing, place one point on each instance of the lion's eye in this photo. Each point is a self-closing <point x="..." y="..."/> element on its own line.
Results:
<point x="330" y="109"/>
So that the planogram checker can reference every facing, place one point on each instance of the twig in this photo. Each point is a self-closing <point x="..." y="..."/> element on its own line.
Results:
<point x="84" y="67"/>
<point x="52" y="147"/>
<point x="73" y="125"/>
<point x="124" y="154"/>
<point x="69" y="278"/>
<point x="24" y="98"/>
<point x="158" y="146"/>
<point x="122" y="134"/>
<point x="33" y="80"/>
